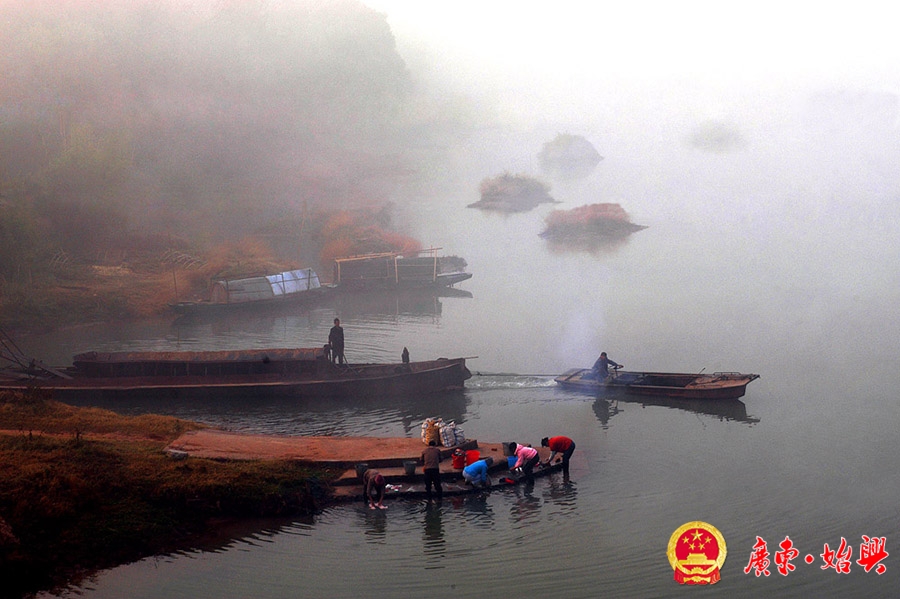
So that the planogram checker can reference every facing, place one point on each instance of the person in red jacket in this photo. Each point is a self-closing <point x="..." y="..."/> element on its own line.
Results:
<point x="560" y="444"/>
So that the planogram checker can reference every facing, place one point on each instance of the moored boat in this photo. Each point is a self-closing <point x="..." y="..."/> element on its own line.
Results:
<point x="305" y="373"/>
<point x="391" y="270"/>
<point x="292" y="286"/>
<point x="719" y="385"/>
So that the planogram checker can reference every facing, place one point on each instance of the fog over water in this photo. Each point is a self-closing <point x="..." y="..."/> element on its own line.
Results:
<point x="759" y="144"/>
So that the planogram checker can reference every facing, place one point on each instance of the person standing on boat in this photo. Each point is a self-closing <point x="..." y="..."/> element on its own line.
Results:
<point x="560" y="444"/>
<point x="476" y="473"/>
<point x="526" y="459"/>
<point x="336" y="340"/>
<point x="431" y="468"/>
<point x="601" y="367"/>
<point x="373" y="487"/>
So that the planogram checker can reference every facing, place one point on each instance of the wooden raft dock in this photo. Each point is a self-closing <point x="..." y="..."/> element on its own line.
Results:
<point x="386" y="454"/>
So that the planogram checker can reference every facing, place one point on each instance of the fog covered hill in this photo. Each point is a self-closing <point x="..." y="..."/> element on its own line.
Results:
<point x="194" y="118"/>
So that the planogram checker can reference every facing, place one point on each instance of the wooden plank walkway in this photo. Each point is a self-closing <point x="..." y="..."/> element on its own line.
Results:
<point x="387" y="454"/>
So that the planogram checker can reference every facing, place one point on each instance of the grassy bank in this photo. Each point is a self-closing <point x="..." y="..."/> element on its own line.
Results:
<point x="84" y="488"/>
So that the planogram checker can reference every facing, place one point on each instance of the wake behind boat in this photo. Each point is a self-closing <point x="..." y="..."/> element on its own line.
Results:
<point x="719" y="385"/>
<point x="301" y="373"/>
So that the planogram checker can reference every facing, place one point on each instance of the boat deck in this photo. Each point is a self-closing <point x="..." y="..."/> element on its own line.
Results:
<point x="387" y="454"/>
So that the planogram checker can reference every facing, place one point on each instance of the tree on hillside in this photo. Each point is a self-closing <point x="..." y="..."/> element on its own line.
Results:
<point x="199" y="117"/>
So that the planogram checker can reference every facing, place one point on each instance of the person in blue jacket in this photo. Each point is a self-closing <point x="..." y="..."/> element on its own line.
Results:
<point x="476" y="473"/>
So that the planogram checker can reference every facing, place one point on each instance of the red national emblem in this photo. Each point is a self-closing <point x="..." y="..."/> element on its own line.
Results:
<point x="696" y="553"/>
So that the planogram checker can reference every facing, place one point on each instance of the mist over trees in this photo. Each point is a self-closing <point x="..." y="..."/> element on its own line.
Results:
<point x="197" y="119"/>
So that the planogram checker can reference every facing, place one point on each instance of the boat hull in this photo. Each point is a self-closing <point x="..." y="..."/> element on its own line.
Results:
<point x="717" y="386"/>
<point x="437" y="283"/>
<point x="183" y="378"/>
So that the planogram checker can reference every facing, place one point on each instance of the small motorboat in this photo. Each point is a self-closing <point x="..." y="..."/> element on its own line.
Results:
<point x="719" y="385"/>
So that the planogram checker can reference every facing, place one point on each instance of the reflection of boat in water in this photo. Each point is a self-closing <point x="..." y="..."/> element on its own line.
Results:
<point x="293" y="372"/>
<point x="384" y="302"/>
<point x="716" y="386"/>
<point x="725" y="409"/>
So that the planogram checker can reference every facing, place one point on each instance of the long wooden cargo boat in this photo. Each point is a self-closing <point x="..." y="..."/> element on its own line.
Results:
<point x="302" y="373"/>
<point x="719" y="385"/>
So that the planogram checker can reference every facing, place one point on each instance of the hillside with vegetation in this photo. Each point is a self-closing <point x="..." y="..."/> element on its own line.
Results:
<point x="141" y="137"/>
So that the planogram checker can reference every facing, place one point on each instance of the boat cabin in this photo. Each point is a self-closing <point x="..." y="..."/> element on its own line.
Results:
<point x="268" y="287"/>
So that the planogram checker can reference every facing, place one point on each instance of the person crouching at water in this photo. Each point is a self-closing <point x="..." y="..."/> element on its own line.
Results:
<point x="373" y="487"/>
<point x="526" y="459"/>
<point x="560" y="444"/>
<point x="476" y="473"/>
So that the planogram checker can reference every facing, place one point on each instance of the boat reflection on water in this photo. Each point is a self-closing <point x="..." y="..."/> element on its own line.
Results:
<point x="723" y="409"/>
<point x="379" y="416"/>
<point x="406" y="302"/>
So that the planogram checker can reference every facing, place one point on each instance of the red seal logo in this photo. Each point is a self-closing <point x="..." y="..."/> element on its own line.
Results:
<point x="696" y="553"/>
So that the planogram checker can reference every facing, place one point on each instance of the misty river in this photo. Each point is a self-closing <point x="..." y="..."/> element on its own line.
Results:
<point x="750" y="263"/>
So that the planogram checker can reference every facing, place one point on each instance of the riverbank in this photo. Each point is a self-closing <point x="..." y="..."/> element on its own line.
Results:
<point x="83" y="489"/>
<point x="144" y="277"/>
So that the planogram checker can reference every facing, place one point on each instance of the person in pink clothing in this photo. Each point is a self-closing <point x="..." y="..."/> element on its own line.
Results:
<point x="526" y="459"/>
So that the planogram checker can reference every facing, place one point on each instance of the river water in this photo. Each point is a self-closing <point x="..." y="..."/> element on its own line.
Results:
<point x="764" y="278"/>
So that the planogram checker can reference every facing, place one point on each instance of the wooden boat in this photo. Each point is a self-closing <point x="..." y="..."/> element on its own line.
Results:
<point x="275" y="290"/>
<point x="392" y="270"/>
<point x="404" y="484"/>
<point x="301" y="373"/>
<point x="719" y="385"/>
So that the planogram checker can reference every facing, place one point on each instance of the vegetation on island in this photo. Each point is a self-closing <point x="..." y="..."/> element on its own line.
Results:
<point x="513" y="193"/>
<point x="591" y="227"/>
<point x="85" y="488"/>
<point x="717" y="136"/>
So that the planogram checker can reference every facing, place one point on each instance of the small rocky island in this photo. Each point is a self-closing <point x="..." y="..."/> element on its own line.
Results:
<point x="594" y="222"/>
<point x="569" y="157"/>
<point x="513" y="193"/>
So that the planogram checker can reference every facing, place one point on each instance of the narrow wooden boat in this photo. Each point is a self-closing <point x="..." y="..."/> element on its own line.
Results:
<point x="402" y="483"/>
<point x="302" y="373"/>
<point x="719" y="385"/>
